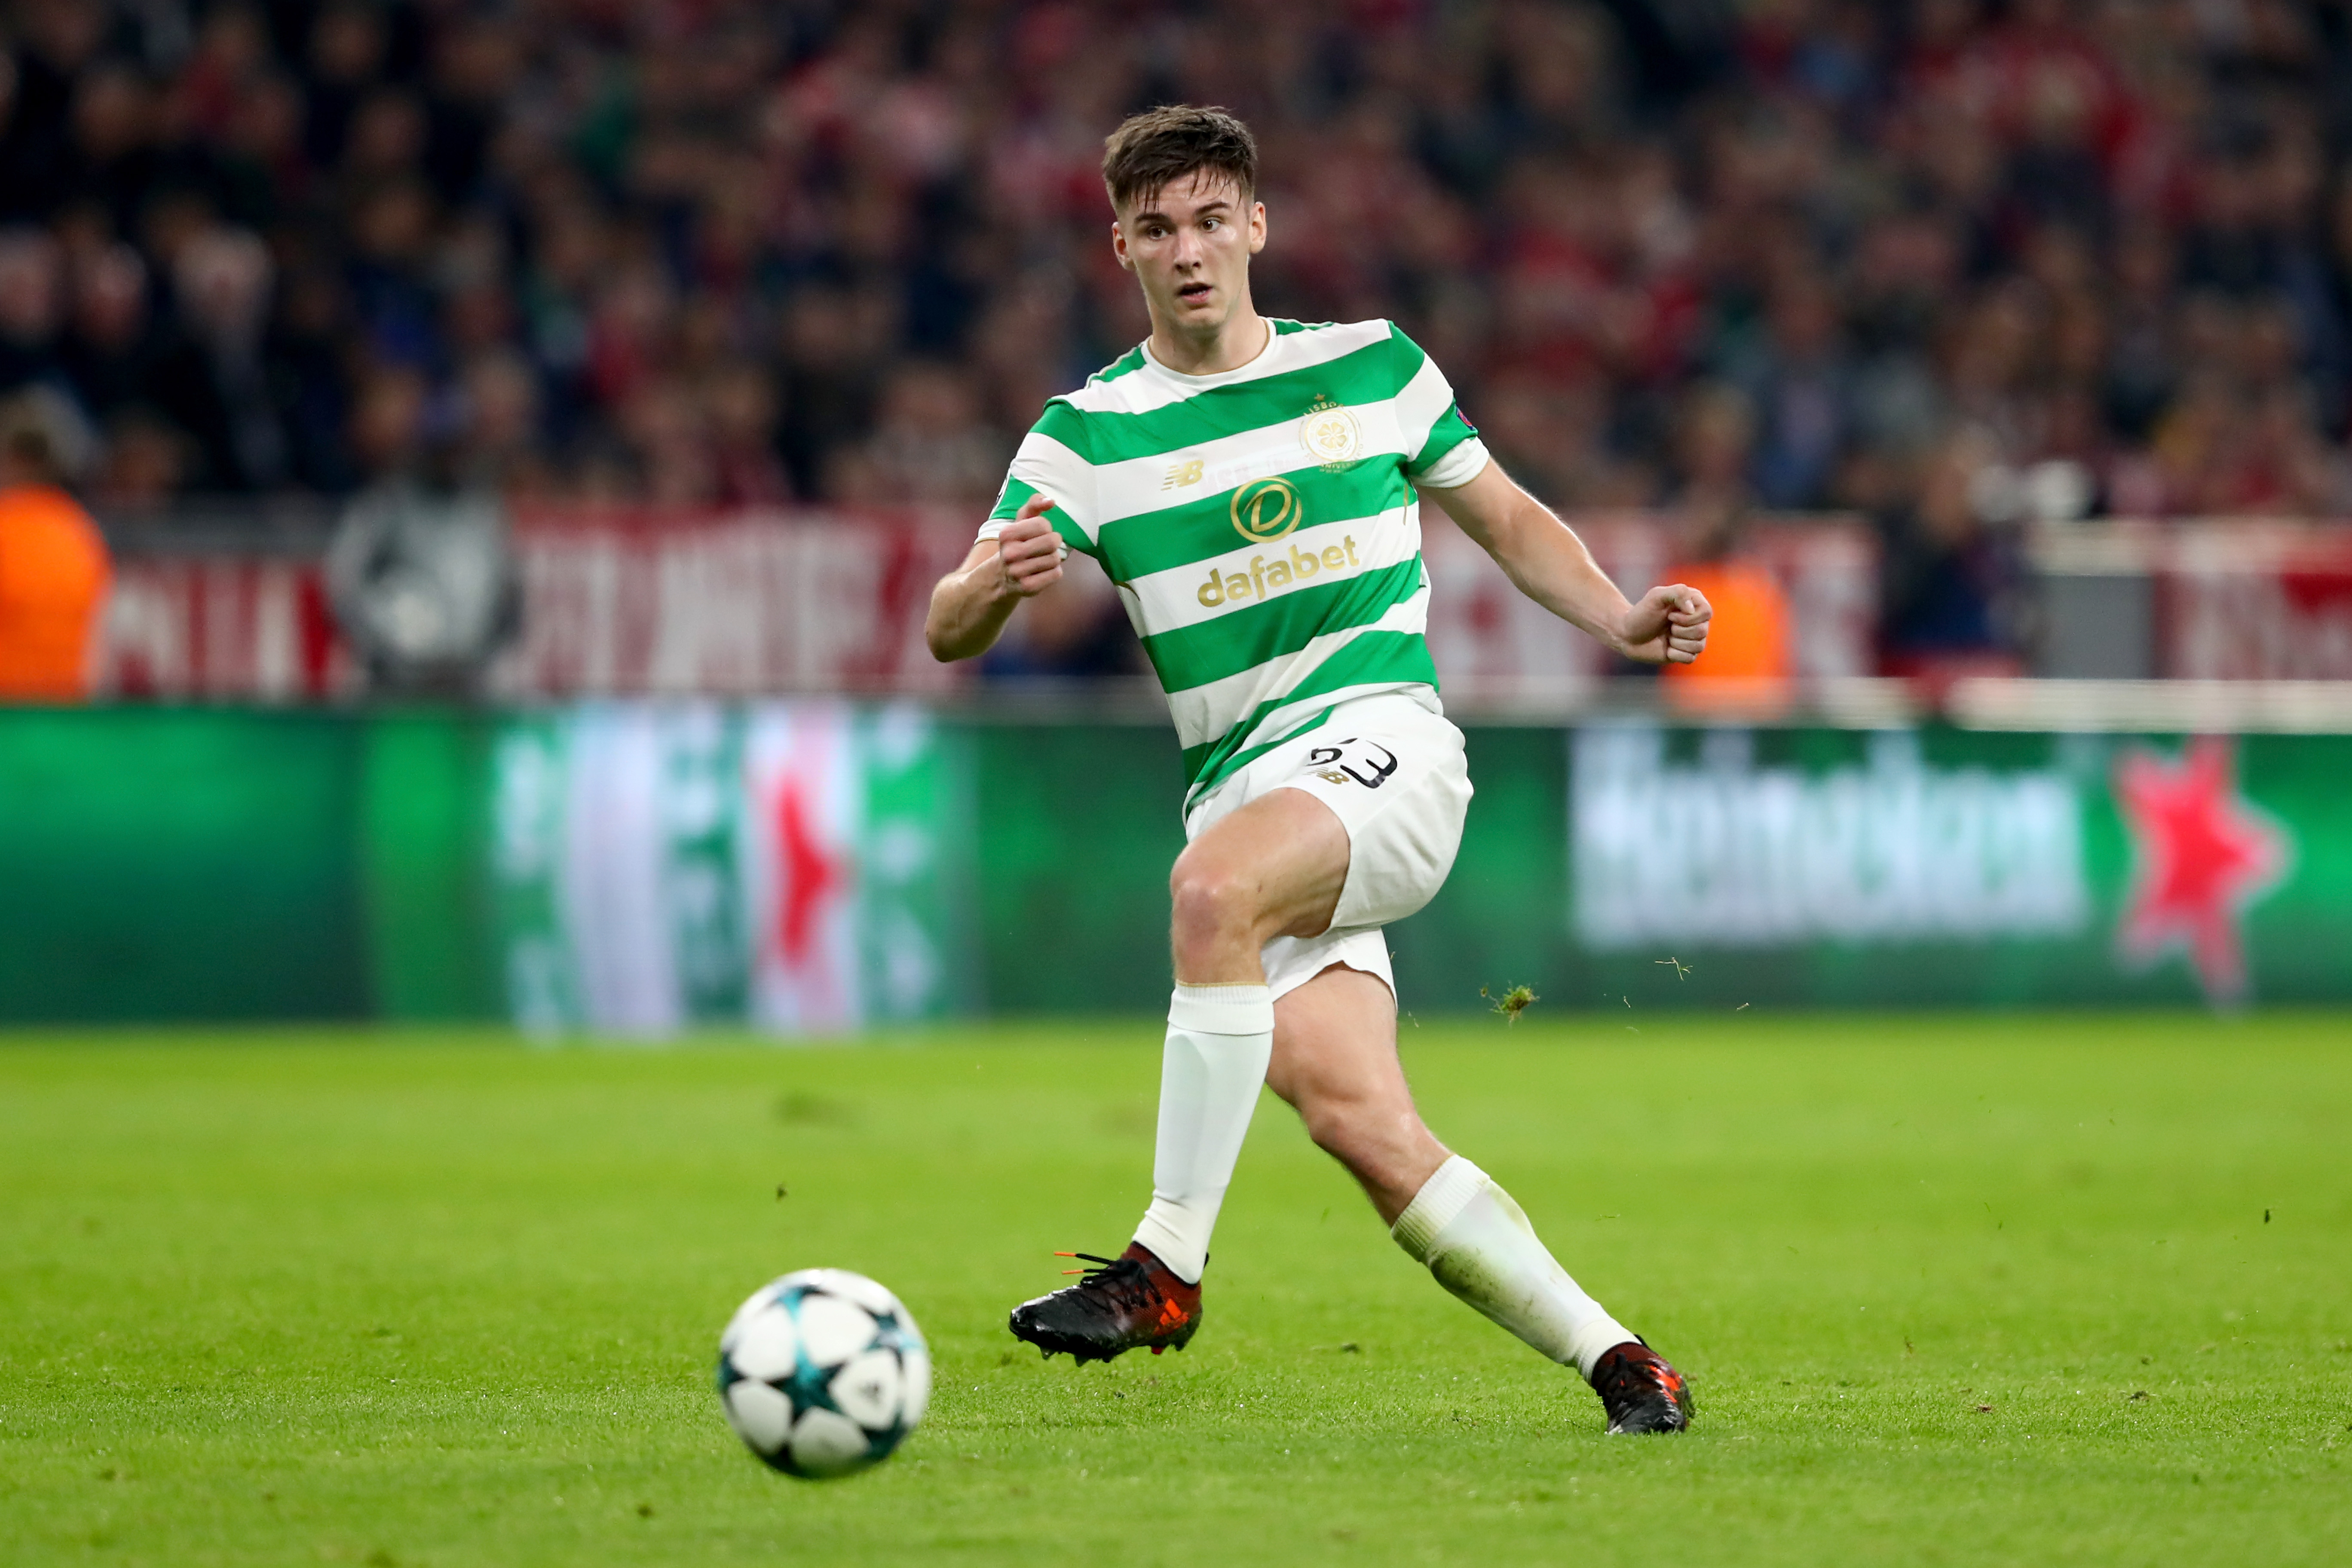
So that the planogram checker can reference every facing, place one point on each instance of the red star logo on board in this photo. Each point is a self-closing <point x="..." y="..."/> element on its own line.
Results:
<point x="2203" y="856"/>
<point x="809" y="875"/>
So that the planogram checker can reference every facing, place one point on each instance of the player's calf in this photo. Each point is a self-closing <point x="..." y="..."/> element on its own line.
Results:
<point x="1133" y="1301"/>
<point x="1477" y="1243"/>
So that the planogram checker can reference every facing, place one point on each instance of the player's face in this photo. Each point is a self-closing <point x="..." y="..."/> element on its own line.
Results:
<point x="1190" y="245"/>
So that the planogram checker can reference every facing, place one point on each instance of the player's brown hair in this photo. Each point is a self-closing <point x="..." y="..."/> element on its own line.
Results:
<point x="1151" y="150"/>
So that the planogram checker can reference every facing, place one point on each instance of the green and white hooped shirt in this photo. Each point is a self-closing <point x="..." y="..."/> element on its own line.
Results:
<point x="1261" y="524"/>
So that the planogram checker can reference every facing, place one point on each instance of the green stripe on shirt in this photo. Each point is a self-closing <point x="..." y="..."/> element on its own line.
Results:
<point x="1016" y="496"/>
<point x="1450" y="431"/>
<point x="1244" y="638"/>
<point x="1194" y="530"/>
<point x="1389" y="660"/>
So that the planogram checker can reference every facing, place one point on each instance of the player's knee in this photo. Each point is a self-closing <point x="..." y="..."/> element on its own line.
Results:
<point x="1209" y="903"/>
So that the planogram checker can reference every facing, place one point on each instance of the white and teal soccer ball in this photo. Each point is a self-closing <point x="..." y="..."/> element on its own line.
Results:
<point x="823" y="1373"/>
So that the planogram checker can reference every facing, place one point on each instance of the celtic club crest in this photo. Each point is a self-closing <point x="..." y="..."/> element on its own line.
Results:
<point x="1330" y="434"/>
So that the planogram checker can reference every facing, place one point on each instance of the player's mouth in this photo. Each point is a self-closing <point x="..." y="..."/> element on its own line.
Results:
<point x="1195" y="293"/>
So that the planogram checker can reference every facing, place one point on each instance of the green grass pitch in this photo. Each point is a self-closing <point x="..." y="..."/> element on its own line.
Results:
<point x="1950" y="1290"/>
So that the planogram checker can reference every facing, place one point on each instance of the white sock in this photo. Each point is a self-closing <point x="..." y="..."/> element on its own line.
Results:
<point x="1480" y="1245"/>
<point x="1220" y="1039"/>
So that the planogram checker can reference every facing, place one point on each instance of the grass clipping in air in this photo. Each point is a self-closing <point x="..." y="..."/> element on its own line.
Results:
<point x="1511" y="1003"/>
<point x="1953" y="1290"/>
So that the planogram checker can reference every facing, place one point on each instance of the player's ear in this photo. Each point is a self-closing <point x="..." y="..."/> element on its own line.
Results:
<point x="1118" y="246"/>
<point x="1257" y="228"/>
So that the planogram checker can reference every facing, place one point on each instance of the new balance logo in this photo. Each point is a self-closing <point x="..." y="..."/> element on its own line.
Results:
<point x="1180" y="475"/>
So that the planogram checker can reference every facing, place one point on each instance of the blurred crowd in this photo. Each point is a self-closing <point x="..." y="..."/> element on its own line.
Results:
<point x="1947" y="263"/>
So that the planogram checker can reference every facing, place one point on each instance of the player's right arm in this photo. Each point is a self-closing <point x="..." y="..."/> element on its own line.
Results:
<point x="971" y="603"/>
<point x="1543" y="557"/>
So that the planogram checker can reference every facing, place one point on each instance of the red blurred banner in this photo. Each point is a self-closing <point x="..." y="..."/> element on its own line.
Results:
<point x="237" y="627"/>
<point x="814" y="601"/>
<point x="729" y="604"/>
<point x="2253" y="601"/>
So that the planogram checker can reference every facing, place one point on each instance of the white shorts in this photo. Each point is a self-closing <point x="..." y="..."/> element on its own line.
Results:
<point x="1395" y="776"/>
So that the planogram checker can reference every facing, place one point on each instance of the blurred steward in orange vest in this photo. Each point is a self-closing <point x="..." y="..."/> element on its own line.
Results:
<point x="53" y="570"/>
<point x="1747" y="646"/>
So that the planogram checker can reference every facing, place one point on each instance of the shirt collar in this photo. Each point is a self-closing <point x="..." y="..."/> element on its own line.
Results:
<point x="1256" y="366"/>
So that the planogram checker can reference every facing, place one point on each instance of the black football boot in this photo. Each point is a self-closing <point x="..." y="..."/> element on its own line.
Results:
<point x="1640" y="1391"/>
<point x="1124" y="1303"/>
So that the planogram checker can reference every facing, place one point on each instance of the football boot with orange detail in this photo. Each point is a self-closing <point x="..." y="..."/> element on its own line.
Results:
<point x="1640" y="1391"/>
<point x="1133" y="1301"/>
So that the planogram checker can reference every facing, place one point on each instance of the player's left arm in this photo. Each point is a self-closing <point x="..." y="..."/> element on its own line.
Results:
<point x="1549" y="564"/>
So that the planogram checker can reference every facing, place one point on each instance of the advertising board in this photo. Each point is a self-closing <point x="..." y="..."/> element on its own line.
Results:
<point x="820" y="867"/>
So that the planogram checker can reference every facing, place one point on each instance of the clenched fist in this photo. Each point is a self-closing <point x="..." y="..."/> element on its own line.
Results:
<point x="1665" y="626"/>
<point x="1028" y="552"/>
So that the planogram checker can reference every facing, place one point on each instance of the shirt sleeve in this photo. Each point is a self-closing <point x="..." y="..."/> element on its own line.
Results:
<point x="1442" y="446"/>
<point x="1463" y="461"/>
<point x="1051" y="462"/>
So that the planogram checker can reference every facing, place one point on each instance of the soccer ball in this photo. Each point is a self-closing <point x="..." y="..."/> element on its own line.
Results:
<point x="823" y="1373"/>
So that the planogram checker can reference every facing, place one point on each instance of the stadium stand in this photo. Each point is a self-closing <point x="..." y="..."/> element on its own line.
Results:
<point x="1949" y="265"/>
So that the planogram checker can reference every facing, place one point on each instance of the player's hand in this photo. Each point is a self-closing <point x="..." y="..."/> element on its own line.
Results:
<point x="1667" y="625"/>
<point x="1029" y="553"/>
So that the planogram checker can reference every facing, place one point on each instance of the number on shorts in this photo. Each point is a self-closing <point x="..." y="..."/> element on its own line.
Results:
<point x="1333" y="763"/>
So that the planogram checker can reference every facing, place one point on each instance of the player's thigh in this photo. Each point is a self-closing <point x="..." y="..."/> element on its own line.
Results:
<point x="1282" y="858"/>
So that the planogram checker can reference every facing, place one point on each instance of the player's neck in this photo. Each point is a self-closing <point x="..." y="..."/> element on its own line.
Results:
<point x="1239" y="339"/>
